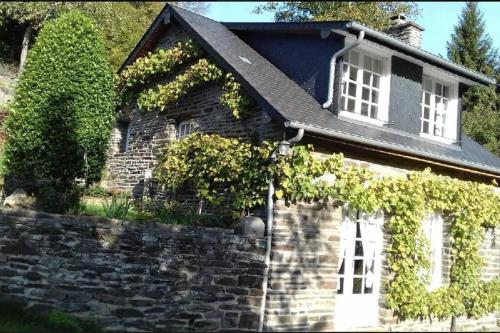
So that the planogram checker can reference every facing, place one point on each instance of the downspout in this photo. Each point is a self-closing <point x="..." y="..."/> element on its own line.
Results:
<point x="269" y="227"/>
<point x="333" y="60"/>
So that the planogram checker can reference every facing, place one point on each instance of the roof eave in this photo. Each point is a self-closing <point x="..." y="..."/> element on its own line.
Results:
<point x="490" y="171"/>
<point x="480" y="78"/>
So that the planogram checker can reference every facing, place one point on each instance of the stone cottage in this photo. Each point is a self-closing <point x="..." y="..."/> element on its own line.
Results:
<point x="377" y="97"/>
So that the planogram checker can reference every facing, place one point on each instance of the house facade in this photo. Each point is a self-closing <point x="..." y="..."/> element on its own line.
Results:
<point x="386" y="104"/>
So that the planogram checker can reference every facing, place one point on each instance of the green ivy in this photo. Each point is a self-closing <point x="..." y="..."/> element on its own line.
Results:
<point x="145" y="69"/>
<point x="220" y="169"/>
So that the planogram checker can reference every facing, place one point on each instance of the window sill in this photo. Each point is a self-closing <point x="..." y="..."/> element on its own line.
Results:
<point x="438" y="138"/>
<point x="362" y="118"/>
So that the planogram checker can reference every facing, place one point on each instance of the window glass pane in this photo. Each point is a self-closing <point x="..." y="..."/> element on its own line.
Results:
<point x="352" y="89"/>
<point x="365" y="94"/>
<point x="375" y="96"/>
<point x="364" y="109"/>
<point x="427" y="113"/>
<point x="445" y="104"/>
<point x="344" y="88"/>
<point x="427" y="84"/>
<point x="438" y="89"/>
<point x="345" y="68"/>
<point x="427" y="98"/>
<point x="368" y="63"/>
<point x="366" y="78"/>
<point x="341" y="287"/>
<point x="376" y="81"/>
<point x="356" y="285"/>
<point x="341" y="270"/>
<point x="446" y="91"/>
<point x="374" y="112"/>
<point x="358" y="248"/>
<point x="353" y="74"/>
<point x="377" y="66"/>
<point x="346" y="56"/>
<point x="358" y="230"/>
<point x="437" y="101"/>
<point x="354" y="58"/>
<point x="342" y="103"/>
<point x="358" y="267"/>
<point x="425" y="128"/>
<point x="350" y="105"/>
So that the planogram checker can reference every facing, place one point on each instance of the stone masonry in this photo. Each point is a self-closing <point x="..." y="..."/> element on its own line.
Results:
<point x="129" y="276"/>
<point x="303" y="281"/>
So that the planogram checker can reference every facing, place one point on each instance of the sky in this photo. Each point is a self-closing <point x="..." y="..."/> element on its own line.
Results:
<point x="438" y="19"/>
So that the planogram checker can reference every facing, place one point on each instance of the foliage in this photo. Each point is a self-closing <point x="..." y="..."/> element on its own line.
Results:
<point x="60" y="122"/>
<point x="173" y="212"/>
<point x="481" y="119"/>
<point x="96" y="191"/>
<point x="15" y="318"/>
<point x="145" y="69"/>
<point x="470" y="45"/>
<point x="222" y="170"/>
<point x="373" y="14"/>
<point x="118" y="207"/>
<point x="157" y="63"/>
<point x="122" y="24"/>
<point x="165" y="94"/>
<point x="58" y="197"/>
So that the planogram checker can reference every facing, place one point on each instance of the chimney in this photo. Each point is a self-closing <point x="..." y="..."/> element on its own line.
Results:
<point x="408" y="32"/>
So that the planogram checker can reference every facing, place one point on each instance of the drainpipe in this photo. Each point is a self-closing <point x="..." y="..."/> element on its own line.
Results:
<point x="333" y="60"/>
<point x="282" y="150"/>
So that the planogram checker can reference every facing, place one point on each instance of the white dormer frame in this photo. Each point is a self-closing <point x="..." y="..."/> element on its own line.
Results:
<point x="452" y="112"/>
<point x="384" y="55"/>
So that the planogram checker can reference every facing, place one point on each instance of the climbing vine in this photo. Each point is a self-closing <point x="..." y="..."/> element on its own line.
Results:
<point x="161" y="62"/>
<point x="222" y="169"/>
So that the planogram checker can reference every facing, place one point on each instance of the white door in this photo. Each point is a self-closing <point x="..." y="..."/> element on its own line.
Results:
<point x="359" y="271"/>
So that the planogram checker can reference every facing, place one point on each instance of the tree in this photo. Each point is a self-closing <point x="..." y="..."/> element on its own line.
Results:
<point x="121" y="23"/>
<point x="470" y="45"/>
<point x="61" y="119"/>
<point x="373" y="14"/>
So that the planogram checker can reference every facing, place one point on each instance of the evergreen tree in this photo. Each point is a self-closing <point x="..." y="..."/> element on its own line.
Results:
<point x="59" y="125"/>
<point x="470" y="45"/>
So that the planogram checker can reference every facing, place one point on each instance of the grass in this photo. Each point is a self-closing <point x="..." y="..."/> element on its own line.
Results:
<point x="98" y="208"/>
<point x="13" y="318"/>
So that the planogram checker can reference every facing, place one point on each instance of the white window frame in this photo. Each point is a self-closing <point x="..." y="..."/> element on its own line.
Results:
<point x="432" y="227"/>
<point x="374" y="51"/>
<point x="451" y="120"/>
<point x="184" y="124"/>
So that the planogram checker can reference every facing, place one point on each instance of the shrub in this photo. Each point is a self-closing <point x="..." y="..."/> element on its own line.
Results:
<point x="62" y="117"/>
<point x="96" y="191"/>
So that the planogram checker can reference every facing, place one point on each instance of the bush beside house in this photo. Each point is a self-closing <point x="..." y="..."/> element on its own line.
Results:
<point x="62" y="116"/>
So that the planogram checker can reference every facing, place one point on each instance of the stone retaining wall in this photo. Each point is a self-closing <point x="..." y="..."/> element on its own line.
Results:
<point x="132" y="276"/>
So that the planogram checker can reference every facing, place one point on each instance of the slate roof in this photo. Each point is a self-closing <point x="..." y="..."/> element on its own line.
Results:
<point x="286" y="101"/>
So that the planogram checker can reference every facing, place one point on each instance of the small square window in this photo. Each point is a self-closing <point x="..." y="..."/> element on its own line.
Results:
<point x="184" y="129"/>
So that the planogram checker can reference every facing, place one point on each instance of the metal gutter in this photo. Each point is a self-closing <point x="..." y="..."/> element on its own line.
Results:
<point x="269" y="228"/>
<point x="394" y="147"/>
<point x="419" y="52"/>
<point x="333" y="61"/>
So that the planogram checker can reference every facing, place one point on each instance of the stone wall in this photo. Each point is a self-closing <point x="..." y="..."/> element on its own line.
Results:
<point x="132" y="276"/>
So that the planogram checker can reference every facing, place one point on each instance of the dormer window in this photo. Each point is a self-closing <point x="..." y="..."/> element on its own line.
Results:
<point x="365" y="89"/>
<point x="439" y="110"/>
